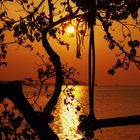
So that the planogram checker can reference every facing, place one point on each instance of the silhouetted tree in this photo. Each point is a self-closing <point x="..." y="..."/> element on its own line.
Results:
<point x="41" y="20"/>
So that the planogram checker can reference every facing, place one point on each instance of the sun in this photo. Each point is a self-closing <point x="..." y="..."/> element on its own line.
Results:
<point x="70" y="29"/>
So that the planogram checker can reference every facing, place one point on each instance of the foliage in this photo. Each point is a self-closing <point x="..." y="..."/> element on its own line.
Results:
<point x="28" y="28"/>
<point x="12" y="124"/>
<point x="121" y="12"/>
<point x="46" y="71"/>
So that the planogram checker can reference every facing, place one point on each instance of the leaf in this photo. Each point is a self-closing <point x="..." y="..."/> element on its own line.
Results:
<point x="3" y="54"/>
<point x="2" y="47"/>
<point x="31" y="38"/>
<point x="20" y="41"/>
<point x="11" y="116"/>
<point x="1" y="30"/>
<point x="126" y="65"/>
<point x="3" y="14"/>
<point x="3" y="64"/>
<point x="9" y="24"/>
<point x="111" y="71"/>
<point x="2" y="38"/>
<point x="5" y="105"/>
<point x="111" y="45"/>
<point x="17" y="31"/>
<point x="133" y="43"/>
<point x="29" y="46"/>
<point x="137" y="43"/>
<point x="133" y="52"/>
<point x="17" y="122"/>
<point x="28" y="6"/>
<point x="4" y="113"/>
<point x="37" y="36"/>
<point x="118" y="63"/>
<point x="78" y="108"/>
<point x="46" y="88"/>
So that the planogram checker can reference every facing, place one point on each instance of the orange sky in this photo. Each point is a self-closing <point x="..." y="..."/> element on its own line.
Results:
<point x="22" y="63"/>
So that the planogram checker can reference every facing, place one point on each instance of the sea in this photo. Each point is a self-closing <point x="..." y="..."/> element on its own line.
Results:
<point x="109" y="102"/>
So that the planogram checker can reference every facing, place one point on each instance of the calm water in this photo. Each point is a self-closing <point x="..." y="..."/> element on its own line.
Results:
<point x="110" y="101"/>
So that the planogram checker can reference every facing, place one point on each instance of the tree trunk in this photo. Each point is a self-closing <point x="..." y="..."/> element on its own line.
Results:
<point x="59" y="77"/>
<point x="13" y="91"/>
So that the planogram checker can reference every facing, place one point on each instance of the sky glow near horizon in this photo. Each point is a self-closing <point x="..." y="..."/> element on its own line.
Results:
<point x="23" y="63"/>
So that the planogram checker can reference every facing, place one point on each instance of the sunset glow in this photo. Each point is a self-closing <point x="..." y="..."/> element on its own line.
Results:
<point x="70" y="29"/>
<point x="105" y="58"/>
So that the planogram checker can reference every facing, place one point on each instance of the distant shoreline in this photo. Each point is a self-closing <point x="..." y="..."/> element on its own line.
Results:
<point x="34" y="83"/>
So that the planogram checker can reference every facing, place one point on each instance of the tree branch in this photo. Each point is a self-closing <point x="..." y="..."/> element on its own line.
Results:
<point x="13" y="91"/>
<point x="59" y="78"/>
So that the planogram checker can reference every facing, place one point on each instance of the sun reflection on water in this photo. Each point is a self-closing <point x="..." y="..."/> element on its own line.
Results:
<point x="69" y="118"/>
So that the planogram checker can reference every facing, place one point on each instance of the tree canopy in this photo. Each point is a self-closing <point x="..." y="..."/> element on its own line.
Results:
<point x="38" y="19"/>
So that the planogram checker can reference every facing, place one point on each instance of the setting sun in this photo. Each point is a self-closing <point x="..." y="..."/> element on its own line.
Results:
<point x="70" y="29"/>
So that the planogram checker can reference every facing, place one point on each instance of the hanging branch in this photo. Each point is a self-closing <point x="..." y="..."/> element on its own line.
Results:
<point x="91" y="22"/>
